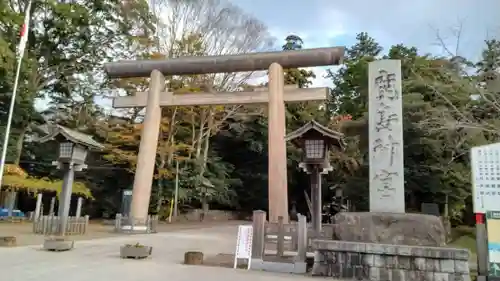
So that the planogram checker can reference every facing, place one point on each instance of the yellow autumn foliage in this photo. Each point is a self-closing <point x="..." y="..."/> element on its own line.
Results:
<point x="15" y="178"/>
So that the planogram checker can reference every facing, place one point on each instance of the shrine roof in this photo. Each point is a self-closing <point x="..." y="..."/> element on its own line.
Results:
<point x="317" y="127"/>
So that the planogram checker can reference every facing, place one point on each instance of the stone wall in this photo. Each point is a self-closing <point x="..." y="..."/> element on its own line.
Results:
<point x="212" y="215"/>
<point x="383" y="262"/>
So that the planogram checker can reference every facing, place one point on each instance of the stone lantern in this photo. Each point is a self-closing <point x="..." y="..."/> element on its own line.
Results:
<point x="73" y="149"/>
<point x="316" y="141"/>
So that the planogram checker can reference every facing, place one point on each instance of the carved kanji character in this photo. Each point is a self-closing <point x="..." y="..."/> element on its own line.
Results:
<point x="379" y="145"/>
<point x="385" y="118"/>
<point x="386" y="85"/>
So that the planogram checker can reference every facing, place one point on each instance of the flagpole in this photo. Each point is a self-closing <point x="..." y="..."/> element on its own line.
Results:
<point x="20" y="55"/>
<point x="9" y="119"/>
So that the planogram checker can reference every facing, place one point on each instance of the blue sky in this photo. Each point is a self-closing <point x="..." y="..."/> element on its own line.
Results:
<point x="323" y="23"/>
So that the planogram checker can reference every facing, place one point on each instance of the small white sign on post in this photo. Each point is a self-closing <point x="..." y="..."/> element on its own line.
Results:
<point x="244" y="245"/>
<point x="485" y="162"/>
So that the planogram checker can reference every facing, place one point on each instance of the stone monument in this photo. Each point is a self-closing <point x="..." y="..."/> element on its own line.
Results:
<point x="387" y="192"/>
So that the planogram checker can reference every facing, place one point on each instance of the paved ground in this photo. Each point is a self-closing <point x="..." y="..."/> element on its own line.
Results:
<point x="98" y="259"/>
<point x="24" y="233"/>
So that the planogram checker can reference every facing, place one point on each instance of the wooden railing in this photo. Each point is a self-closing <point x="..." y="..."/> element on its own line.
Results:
<point x="281" y="237"/>
<point x="125" y="224"/>
<point x="50" y="225"/>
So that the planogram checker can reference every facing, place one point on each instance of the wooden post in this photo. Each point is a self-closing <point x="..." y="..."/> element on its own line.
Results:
<point x="86" y="225"/>
<point x="277" y="161"/>
<point x="79" y="207"/>
<point x="52" y="206"/>
<point x="316" y="201"/>
<point x="38" y="206"/>
<point x="302" y="239"/>
<point x="280" y="247"/>
<point x="258" y="240"/>
<point x="481" y="245"/>
<point x="147" y="150"/>
<point x="11" y="203"/>
<point x="118" y="222"/>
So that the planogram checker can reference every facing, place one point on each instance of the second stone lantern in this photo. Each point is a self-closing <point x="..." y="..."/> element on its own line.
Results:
<point x="316" y="140"/>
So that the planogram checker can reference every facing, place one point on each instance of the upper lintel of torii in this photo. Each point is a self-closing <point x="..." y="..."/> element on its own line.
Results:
<point x="255" y="96"/>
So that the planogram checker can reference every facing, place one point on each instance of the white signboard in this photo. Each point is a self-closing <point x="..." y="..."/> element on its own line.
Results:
<point x="244" y="244"/>
<point x="387" y="193"/>
<point x="485" y="161"/>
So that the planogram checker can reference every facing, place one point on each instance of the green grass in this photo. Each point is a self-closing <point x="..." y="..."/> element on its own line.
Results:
<point x="464" y="237"/>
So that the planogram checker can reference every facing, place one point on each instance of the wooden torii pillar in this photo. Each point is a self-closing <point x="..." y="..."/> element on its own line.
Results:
<point x="273" y="61"/>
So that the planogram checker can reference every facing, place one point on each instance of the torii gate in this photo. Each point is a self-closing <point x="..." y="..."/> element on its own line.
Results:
<point x="275" y="97"/>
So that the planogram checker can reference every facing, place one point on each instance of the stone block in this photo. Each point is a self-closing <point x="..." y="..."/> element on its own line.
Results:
<point x="373" y="273"/>
<point x="398" y="275"/>
<point x="461" y="254"/>
<point x="256" y="264"/>
<point x="432" y="265"/>
<point x="461" y="266"/>
<point x="440" y="276"/>
<point x="420" y="264"/>
<point x="368" y="259"/>
<point x="361" y="272"/>
<point x="354" y="258"/>
<point x="341" y="257"/>
<point x="444" y="253"/>
<point x="381" y="249"/>
<point x="459" y="277"/>
<point x="384" y="274"/>
<point x="299" y="268"/>
<point x="390" y="228"/>
<point x="347" y="271"/>
<point x="378" y="261"/>
<point x="404" y="251"/>
<point x="319" y="269"/>
<point x="334" y="270"/>
<point x="58" y="244"/>
<point x="279" y="267"/>
<point x="414" y="275"/>
<point x="319" y="256"/>
<point x="340" y="246"/>
<point x="391" y="261"/>
<point x="447" y="265"/>
<point x="405" y="262"/>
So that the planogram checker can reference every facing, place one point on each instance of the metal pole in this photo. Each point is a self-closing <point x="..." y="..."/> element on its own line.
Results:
<point x="65" y="198"/>
<point x="9" y="120"/>
<point x="176" y="194"/>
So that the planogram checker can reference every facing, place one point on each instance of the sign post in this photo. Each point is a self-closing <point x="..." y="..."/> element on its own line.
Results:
<point x="493" y="230"/>
<point x="244" y="245"/>
<point x="485" y="162"/>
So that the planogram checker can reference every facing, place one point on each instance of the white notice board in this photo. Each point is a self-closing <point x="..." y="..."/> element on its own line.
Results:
<point x="485" y="165"/>
<point x="244" y="244"/>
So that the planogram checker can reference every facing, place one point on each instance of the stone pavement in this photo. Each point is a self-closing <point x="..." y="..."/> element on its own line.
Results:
<point x="99" y="260"/>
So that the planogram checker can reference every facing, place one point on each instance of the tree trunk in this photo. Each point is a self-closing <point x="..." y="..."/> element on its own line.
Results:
<point x="19" y="145"/>
<point x="204" y="201"/>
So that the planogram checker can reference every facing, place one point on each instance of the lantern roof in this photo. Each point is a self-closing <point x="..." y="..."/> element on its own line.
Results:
<point x="71" y="135"/>
<point x="313" y="128"/>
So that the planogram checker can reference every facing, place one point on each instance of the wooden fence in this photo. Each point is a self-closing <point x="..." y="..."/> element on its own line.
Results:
<point x="50" y="225"/>
<point x="281" y="237"/>
<point x="125" y="224"/>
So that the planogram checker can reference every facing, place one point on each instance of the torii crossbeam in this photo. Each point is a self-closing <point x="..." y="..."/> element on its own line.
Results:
<point x="274" y="97"/>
